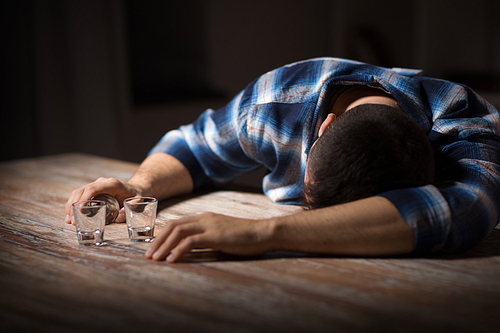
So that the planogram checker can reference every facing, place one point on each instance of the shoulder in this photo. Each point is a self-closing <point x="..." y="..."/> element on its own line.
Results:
<point x="297" y="82"/>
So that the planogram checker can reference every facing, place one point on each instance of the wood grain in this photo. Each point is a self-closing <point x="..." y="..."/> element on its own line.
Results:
<point x="48" y="282"/>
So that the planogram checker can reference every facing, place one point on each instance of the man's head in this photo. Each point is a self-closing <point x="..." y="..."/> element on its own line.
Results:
<point x="368" y="150"/>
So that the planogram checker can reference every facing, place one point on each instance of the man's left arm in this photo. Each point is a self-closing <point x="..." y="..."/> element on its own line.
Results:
<point x="367" y="227"/>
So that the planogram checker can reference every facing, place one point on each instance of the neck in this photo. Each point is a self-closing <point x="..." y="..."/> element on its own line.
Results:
<point x="362" y="95"/>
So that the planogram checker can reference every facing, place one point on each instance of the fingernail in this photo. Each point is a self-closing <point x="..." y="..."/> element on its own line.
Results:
<point x="148" y="252"/>
<point x="67" y="220"/>
<point x="169" y="257"/>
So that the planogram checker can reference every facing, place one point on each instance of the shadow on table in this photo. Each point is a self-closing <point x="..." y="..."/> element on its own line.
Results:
<point x="489" y="247"/>
<point x="209" y="255"/>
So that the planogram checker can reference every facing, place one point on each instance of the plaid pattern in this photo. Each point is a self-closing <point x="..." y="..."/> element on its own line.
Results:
<point x="275" y="121"/>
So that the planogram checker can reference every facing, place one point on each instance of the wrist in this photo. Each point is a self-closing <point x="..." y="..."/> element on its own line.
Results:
<point x="270" y="234"/>
<point x="137" y="188"/>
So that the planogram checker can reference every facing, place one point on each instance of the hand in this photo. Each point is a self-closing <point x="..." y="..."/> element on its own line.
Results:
<point x="219" y="232"/>
<point x="120" y="190"/>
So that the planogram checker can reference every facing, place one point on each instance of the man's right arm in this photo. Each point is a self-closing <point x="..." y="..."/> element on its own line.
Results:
<point x="162" y="176"/>
<point x="159" y="175"/>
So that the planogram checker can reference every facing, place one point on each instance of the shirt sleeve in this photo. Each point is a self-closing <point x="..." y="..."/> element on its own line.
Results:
<point x="211" y="147"/>
<point x="462" y="207"/>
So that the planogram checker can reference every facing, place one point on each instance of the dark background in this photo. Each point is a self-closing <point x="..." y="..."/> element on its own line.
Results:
<point x="111" y="77"/>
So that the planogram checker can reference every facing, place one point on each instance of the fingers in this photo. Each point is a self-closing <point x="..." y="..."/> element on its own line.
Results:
<point x="77" y="195"/>
<point x="169" y="238"/>
<point x="184" y="246"/>
<point x="176" y="239"/>
<point x="102" y="185"/>
<point x="121" y="216"/>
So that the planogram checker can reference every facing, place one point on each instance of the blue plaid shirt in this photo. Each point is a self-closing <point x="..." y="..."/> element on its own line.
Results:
<point x="275" y="120"/>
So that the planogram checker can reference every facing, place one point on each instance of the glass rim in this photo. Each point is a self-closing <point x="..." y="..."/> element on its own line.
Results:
<point x="150" y="200"/>
<point x="99" y="203"/>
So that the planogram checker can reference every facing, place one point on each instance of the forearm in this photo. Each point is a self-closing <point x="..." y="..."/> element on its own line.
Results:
<point x="162" y="176"/>
<point x="370" y="226"/>
<point x="367" y="227"/>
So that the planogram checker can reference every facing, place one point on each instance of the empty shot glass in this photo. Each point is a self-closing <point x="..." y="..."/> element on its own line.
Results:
<point x="140" y="214"/>
<point x="90" y="218"/>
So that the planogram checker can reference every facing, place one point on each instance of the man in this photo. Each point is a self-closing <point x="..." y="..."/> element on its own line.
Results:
<point x="286" y="121"/>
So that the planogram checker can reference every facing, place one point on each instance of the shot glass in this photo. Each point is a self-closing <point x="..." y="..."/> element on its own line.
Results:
<point x="90" y="217"/>
<point x="140" y="214"/>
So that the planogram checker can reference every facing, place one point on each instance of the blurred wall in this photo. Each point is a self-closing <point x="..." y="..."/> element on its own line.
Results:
<point x="67" y="64"/>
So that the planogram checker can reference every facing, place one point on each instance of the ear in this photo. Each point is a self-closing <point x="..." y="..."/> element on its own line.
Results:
<point x="327" y="122"/>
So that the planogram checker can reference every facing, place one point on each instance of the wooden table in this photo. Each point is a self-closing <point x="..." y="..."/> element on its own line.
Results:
<point x="48" y="282"/>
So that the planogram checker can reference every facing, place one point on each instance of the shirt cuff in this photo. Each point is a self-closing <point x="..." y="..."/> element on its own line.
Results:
<point x="173" y="144"/>
<point x="426" y="212"/>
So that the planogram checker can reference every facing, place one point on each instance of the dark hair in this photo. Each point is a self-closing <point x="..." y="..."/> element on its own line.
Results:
<point x="367" y="150"/>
